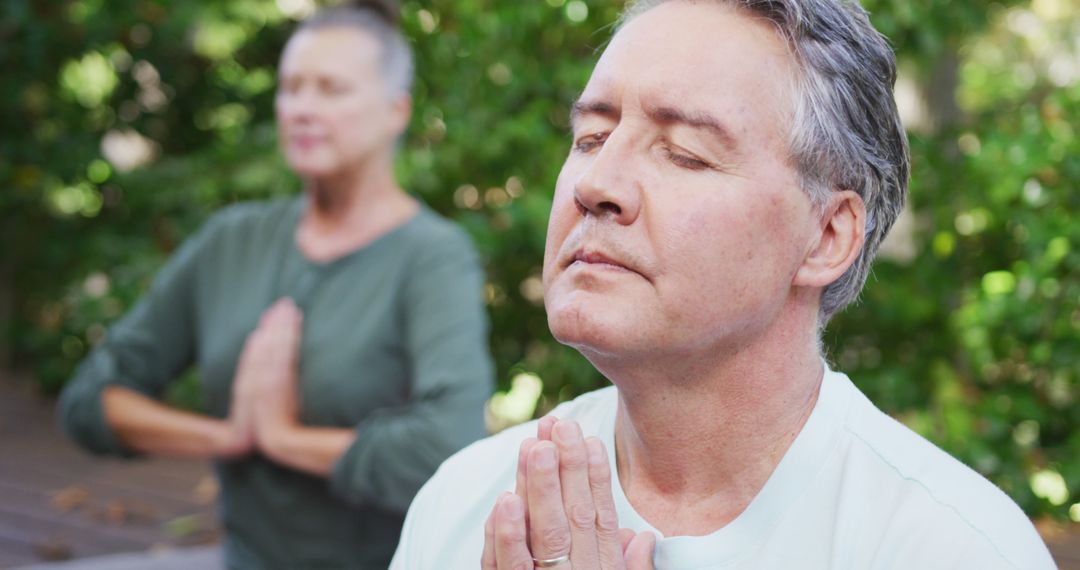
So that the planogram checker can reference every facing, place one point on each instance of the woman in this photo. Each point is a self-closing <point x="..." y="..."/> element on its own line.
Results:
<point x="340" y="335"/>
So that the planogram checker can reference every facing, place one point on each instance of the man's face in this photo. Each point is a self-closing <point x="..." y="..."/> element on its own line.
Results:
<point x="677" y="223"/>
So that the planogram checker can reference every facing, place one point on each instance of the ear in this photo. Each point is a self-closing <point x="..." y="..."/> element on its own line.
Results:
<point x="841" y="237"/>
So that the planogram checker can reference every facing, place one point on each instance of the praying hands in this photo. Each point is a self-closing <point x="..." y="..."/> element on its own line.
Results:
<point x="562" y="514"/>
<point x="266" y="379"/>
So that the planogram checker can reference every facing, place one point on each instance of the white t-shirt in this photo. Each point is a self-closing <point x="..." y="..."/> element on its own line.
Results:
<point x="856" y="490"/>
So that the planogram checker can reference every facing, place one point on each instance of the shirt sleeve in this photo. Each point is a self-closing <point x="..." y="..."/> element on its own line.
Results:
<point x="144" y="351"/>
<point x="397" y="450"/>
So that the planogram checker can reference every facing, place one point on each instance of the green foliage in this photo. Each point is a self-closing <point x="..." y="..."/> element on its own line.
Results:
<point x="971" y="340"/>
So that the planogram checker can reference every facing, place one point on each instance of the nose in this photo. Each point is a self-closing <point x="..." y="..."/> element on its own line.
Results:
<point x="299" y="104"/>
<point x="608" y="187"/>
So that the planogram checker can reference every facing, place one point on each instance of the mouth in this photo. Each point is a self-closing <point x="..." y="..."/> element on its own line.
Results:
<point x="597" y="260"/>
<point x="306" y="141"/>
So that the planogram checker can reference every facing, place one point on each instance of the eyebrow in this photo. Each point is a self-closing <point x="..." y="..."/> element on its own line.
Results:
<point x="602" y="108"/>
<point x="660" y="114"/>
<point x="693" y="119"/>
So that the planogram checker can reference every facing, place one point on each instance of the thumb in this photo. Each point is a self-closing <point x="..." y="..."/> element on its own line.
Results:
<point x="639" y="551"/>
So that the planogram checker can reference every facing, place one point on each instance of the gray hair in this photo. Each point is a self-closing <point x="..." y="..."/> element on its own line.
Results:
<point x="846" y="132"/>
<point x="380" y="20"/>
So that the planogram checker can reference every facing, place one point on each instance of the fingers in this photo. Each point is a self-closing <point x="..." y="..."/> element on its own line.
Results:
<point x="508" y="530"/>
<point x="577" y="494"/>
<point x="521" y="488"/>
<point x="609" y="544"/>
<point x="488" y="561"/>
<point x="549" y="531"/>
<point x="543" y="432"/>
<point x="277" y="337"/>
<point x="625" y="536"/>
<point x="544" y="427"/>
<point x="275" y="311"/>
<point x="283" y="314"/>
<point x="569" y="509"/>
<point x="279" y="328"/>
<point x="639" y="551"/>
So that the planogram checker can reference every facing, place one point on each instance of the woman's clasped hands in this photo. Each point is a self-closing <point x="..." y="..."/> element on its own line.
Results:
<point x="562" y="514"/>
<point x="265" y="393"/>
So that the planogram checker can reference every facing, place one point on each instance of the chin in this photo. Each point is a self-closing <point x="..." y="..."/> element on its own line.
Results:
<point x="590" y="325"/>
<point x="311" y="166"/>
<point x="311" y="172"/>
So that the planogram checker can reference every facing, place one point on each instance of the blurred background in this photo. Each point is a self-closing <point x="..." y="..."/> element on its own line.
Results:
<point x="125" y="123"/>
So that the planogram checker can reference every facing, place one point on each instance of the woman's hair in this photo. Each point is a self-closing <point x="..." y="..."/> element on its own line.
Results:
<point x="379" y="19"/>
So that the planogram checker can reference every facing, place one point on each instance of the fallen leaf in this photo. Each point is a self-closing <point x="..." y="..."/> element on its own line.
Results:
<point x="115" y="512"/>
<point x="52" y="549"/>
<point x="206" y="491"/>
<point x="191" y="530"/>
<point x="69" y="498"/>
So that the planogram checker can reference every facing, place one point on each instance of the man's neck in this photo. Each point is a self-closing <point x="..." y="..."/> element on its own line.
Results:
<point x="696" y="443"/>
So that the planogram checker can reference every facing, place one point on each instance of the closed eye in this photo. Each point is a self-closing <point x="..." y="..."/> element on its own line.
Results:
<point x="333" y="87"/>
<point x="288" y="85"/>
<point x="686" y="161"/>
<point x="590" y="142"/>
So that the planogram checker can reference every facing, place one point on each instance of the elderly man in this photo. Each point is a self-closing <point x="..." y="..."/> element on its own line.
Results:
<point x="735" y="165"/>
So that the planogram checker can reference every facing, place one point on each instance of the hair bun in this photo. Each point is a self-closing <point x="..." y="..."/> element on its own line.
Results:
<point x="389" y="10"/>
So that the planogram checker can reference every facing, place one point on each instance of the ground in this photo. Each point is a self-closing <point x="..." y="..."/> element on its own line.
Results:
<point x="58" y="503"/>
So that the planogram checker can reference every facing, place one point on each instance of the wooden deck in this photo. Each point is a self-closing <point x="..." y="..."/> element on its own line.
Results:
<point x="58" y="503"/>
<point x="1065" y="546"/>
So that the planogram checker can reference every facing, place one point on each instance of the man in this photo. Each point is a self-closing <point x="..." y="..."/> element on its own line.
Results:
<point x="735" y="165"/>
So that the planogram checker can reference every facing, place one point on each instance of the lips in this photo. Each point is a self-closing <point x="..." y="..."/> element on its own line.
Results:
<point x="595" y="257"/>
<point x="306" y="141"/>
<point x="599" y="260"/>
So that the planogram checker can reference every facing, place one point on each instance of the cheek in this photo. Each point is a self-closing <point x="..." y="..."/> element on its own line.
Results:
<point x="694" y="234"/>
<point x="719" y="257"/>
<point x="279" y="113"/>
<point x="284" y="117"/>
<point x="355" y="121"/>
<point x="563" y="217"/>
<point x="703" y="249"/>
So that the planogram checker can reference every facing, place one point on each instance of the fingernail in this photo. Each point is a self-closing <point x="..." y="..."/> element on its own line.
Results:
<point x="650" y="538"/>
<point x="543" y="429"/>
<point x="512" y="507"/>
<point x="545" y="455"/>
<point x="596" y="450"/>
<point x="568" y="432"/>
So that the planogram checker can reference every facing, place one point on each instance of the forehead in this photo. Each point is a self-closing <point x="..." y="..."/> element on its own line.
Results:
<point x="330" y="50"/>
<point x="700" y="55"/>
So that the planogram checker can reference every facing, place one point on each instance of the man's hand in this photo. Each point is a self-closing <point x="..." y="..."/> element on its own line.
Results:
<point x="562" y="514"/>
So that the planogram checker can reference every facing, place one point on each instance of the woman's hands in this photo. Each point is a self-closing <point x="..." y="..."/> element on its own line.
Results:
<point x="562" y="514"/>
<point x="264" y="415"/>
<point x="265" y="399"/>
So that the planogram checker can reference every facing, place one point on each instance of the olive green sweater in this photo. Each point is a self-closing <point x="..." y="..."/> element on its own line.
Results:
<point x="394" y="344"/>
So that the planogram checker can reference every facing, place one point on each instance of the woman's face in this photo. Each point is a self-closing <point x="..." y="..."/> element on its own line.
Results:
<point x="334" y="111"/>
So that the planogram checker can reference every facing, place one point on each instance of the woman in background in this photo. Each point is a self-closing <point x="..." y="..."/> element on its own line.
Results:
<point x="340" y="335"/>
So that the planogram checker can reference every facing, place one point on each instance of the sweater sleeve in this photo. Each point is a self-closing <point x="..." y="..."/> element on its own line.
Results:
<point x="144" y="351"/>
<point x="397" y="450"/>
